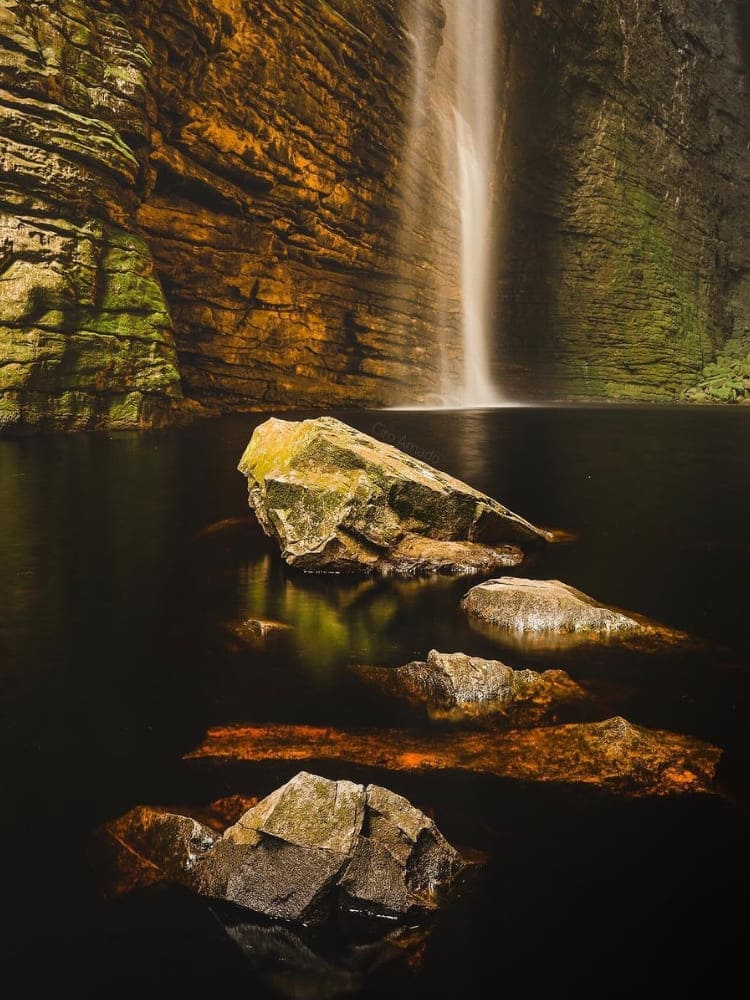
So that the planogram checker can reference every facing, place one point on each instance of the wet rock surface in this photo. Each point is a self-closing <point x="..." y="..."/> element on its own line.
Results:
<point x="337" y="500"/>
<point x="202" y="201"/>
<point x="614" y="755"/>
<point x="550" y="612"/>
<point x="460" y="688"/>
<point x="309" y="848"/>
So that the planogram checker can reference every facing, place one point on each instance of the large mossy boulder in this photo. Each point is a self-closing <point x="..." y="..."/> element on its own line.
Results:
<point x="459" y="688"/>
<point x="309" y="847"/>
<point x="338" y="500"/>
<point x="550" y="613"/>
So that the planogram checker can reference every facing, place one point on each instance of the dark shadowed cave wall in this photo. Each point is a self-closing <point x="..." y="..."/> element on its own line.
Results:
<point x="200" y="204"/>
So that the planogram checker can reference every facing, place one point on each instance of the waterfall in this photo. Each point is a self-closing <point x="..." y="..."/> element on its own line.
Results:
<point x="473" y="25"/>
<point x="460" y="100"/>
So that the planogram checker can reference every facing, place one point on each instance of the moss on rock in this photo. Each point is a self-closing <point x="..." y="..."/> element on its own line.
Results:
<point x="727" y="379"/>
<point x="337" y="500"/>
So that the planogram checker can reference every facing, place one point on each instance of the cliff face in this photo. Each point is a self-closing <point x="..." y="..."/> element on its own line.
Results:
<point x="200" y="204"/>
<point x="625" y="260"/>
<point x="201" y="201"/>
<point x="85" y="333"/>
<point x="272" y="203"/>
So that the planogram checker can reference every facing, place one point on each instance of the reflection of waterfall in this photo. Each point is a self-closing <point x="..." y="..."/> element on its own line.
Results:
<point x="460" y="101"/>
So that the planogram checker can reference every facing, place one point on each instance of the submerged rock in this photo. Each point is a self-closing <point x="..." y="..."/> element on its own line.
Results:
<point x="548" y="611"/>
<point x="251" y="632"/>
<point x="614" y="755"/>
<point x="457" y="687"/>
<point x="310" y="846"/>
<point x="337" y="500"/>
<point x="165" y="841"/>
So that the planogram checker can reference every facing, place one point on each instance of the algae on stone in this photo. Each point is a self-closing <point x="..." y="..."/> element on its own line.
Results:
<point x="338" y="500"/>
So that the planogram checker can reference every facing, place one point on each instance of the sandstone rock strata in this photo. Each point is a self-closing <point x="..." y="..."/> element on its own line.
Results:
<point x="203" y="199"/>
<point x="625" y="186"/>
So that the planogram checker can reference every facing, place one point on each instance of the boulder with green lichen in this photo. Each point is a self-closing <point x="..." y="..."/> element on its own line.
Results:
<point x="338" y="500"/>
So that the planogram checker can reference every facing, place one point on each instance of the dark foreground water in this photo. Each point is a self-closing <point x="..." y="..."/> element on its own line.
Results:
<point x="114" y="663"/>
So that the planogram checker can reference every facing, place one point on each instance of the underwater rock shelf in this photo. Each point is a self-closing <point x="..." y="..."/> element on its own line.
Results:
<point x="613" y="755"/>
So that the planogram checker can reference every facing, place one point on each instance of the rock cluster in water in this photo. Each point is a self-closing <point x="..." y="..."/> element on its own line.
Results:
<point x="337" y="500"/>
<point x="309" y="847"/>
<point x="461" y="688"/>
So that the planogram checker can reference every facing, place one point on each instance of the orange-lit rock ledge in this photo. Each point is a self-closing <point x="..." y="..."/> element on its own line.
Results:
<point x="614" y="755"/>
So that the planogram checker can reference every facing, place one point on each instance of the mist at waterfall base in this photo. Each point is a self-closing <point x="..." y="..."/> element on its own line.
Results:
<point x="115" y="664"/>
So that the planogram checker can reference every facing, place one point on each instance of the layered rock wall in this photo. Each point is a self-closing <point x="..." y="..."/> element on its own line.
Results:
<point x="85" y="332"/>
<point x="273" y="200"/>
<point x="200" y="209"/>
<point x="200" y="204"/>
<point x="625" y="166"/>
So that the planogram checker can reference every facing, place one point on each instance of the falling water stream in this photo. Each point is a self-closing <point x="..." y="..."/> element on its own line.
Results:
<point x="472" y="24"/>
<point x="459" y="98"/>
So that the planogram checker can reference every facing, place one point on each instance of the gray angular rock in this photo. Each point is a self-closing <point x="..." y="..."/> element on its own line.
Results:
<point x="544" y="609"/>
<point x="308" y="847"/>
<point x="272" y="877"/>
<point x="337" y="500"/>
<point x="457" y="687"/>
<point x="308" y="811"/>
<point x="401" y="861"/>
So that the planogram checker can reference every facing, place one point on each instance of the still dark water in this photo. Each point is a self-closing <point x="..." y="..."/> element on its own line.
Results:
<point x="114" y="663"/>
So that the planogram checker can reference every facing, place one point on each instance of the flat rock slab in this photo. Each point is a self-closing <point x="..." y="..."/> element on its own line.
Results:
<point x="337" y="500"/>
<point x="459" y="688"/>
<point x="309" y="847"/>
<point x="551" y="613"/>
<point x="613" y="755"/>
